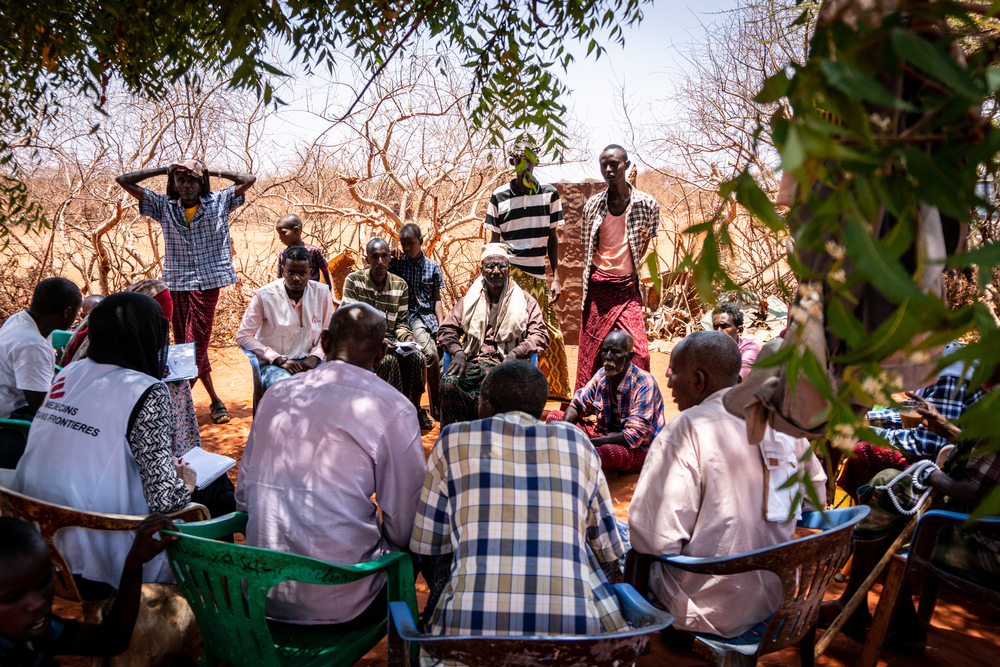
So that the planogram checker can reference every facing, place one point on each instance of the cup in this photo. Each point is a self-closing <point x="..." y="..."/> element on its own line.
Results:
<point x="908" y="413"/>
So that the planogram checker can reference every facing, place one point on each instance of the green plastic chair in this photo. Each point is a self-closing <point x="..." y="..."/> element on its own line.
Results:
<point x="60" y="338"/>
<point x="227" y="584"/>
<point x="16" y="424"/>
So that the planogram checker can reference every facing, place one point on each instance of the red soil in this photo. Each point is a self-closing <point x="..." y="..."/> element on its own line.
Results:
<point x="961" y="633"/>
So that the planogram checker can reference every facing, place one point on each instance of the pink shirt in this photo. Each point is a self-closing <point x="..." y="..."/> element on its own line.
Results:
<point x="749" y="349"/>
<point x="321" y="445"/>
<point x="701" y="494"/>
<point x="613" y="253"/>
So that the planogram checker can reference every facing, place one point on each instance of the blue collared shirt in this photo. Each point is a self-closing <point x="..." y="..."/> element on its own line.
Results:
<point x="422" y="276"/>
<point x="199" y="256"/>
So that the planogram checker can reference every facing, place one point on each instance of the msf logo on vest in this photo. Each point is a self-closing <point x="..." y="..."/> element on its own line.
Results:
<point x="57" y="390"/>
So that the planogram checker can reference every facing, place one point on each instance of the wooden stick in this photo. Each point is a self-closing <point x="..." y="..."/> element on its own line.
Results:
<point x="862" y="593"/>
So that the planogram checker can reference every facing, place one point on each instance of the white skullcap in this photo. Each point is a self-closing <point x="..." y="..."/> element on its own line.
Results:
<point x="493" y="250"/>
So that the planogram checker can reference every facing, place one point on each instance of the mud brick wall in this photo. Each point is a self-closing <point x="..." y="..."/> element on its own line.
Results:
<point x="572" y="256"/>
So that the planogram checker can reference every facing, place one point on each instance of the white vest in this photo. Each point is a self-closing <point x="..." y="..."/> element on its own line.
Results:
<point x="77" y="455"/>
<point x="281" y="329"/>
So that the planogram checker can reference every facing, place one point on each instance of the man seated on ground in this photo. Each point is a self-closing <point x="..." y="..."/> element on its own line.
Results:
<point x="495" y="321"/>
<point x="30" y="634"/>
<point x="283" y="322"/>
<point x="961" y="486"/>
<point x="27" y="360"/>
<point x="728" y="319"/>
<point x="389" y="295"/>
<point x="521" y="511"/>
<point x="628" y="405"/>
<point x="951" y="396"/>
<point x="424" y="312"/>
<point x="702" y="493"/>
<point x="321" y="445"/>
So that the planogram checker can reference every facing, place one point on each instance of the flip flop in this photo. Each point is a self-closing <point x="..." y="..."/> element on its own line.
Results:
<point x="219" y="413"/>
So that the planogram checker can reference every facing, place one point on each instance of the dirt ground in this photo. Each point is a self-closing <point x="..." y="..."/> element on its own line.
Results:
<point x="961" y="633"/>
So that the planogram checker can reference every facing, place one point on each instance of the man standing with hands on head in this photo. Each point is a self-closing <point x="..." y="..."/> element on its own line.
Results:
<point x="198" y="252"/>
<point x="524" y="215"/>
<point x="283" y="323"/>
<point x="618" y="225"/>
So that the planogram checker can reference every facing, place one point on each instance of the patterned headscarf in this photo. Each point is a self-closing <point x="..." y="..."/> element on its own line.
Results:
<point x="158" y="290"/>
<point x="196" y="168"/>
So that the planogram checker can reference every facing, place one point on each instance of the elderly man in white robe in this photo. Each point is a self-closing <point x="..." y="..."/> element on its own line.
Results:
<point x="703" y="492"/>
<point x="495" y="321"/>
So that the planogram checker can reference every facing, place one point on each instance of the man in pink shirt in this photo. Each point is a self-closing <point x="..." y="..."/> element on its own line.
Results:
<point x="333" y="468"/>
<point x="283" y="322"/>
<point x="618" y="225"/>
<point x="703" y="493"/>
<point x="728" y="319"/>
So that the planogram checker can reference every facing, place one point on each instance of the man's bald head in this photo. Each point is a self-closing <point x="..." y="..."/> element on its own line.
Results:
<point x="356" y="335"/>
<point x="374" y="244"/>
<point x="621" y="337"/>
<point x="702" y="364"/>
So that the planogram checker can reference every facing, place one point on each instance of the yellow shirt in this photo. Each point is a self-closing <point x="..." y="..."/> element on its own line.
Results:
<point x="189" y="213"/>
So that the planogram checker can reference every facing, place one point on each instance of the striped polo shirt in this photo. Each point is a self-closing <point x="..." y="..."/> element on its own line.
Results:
<point x="524" y="223"/>
<point x="391" y="300"/>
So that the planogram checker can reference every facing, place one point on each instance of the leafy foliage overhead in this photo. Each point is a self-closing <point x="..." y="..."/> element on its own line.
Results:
<point x="886" y="117"/>
<point x="79" y="46"/>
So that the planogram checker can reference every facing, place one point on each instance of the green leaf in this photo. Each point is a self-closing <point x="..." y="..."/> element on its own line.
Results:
<point x="934" y="61"/>
<point x="754" y="200"/>
<point x="852" y="82"/>
<point x="775" y="87"/>
<point x="881" y="267"/>
<point x="793" y="153"/>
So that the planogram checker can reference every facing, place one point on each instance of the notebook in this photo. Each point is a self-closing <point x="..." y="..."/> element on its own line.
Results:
<point x="181" y="363"/>
<point x="209" y="466"/>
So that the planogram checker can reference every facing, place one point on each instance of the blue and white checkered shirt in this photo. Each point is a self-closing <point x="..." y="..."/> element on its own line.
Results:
<point x="199" y="256"/>
<point x="423" y="276"/>
<point x="949" y="395"/>
<point x="525" y="511"/>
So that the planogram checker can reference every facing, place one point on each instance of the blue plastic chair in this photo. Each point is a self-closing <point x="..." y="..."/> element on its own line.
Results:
<point x="258" y="384"/>
<point x="613" y="648"/>
<point x="805" y="566"/>
<point x="918" y="561"/>
<point x="446" y="359"/>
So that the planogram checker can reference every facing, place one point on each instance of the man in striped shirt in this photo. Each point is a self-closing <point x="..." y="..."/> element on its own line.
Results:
<point x="389" y="295"/>
<point x="524" y="214"/>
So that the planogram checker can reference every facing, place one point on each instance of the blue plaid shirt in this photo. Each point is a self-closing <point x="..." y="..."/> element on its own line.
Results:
<point x="526" y="512"/>
<point x="639" y="413"/>
<point x="422" y="276"/>
<point x="199" y="256"/>
<point x="949" y="395"/>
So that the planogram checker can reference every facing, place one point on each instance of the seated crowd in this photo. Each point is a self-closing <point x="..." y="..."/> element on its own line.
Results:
<point x="509" y="519"/>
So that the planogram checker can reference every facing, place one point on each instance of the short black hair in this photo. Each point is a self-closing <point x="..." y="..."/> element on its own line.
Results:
<point x="371" y="245"/>
<point x="516" y="386"/>
<point x="616" y="147"/>
<point x="289" y="221"/>
<point x="297" y="253"/>
<point x="55" y="294"/>
<point x="411" y="228"/>
<point x="713" y="352"/>
<point x="18" y="538"/>
<point x="733" y="311"/>
<point x="356" y="323"/>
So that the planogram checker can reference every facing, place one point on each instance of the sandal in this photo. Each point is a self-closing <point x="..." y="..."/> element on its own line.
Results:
<point x="219" y="413"/>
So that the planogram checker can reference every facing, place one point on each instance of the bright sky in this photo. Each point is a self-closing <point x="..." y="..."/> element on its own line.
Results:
<point x="647" y="65"/>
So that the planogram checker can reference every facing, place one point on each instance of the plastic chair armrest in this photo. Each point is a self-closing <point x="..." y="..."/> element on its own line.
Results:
<point x="637" y="610"/>
<point x="403" y="620"/>
<point x="21" y="425"/>
<point x="191" y="512"/>
<point x="214" y="529"/>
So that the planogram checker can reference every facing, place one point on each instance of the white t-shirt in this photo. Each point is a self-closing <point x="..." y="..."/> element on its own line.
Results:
<point x="27" y="362"/>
